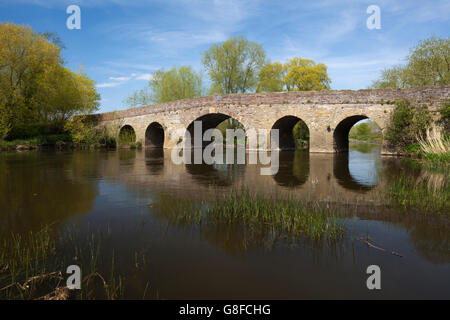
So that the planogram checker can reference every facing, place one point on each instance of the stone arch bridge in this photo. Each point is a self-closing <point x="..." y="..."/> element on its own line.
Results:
<point x="329" y="115"/>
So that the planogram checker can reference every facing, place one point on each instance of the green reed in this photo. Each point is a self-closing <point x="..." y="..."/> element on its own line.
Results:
<point x="33" y="266"/>
<point x="430" y="195"/>
<point x="286" y="216"/>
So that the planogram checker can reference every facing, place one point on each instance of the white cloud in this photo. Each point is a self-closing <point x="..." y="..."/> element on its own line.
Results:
<point x="145" y="76"/>
<point x="120" y="78"/>
<point x="118" y="81"/>
<point x="108" y="84"/>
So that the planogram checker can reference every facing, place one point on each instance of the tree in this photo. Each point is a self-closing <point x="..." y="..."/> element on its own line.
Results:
<point x="164" y="86"/>
<point x="296" y="74"/>
<point x="363" y="129"/>
<point x="233" y="65"/>
<point x="427" y="65"/>
<point x="271" y="78"/>
<point x="305" y="74"/>
<point x="34" y="86"/>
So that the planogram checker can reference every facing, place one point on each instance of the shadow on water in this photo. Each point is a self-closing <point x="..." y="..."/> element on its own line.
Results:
<point x="294" y="168"/>
<point x="154" y="160"/>
<point x="40" y="188"/>
<point x="221" y="175"/>
<point x="358" y="169"/>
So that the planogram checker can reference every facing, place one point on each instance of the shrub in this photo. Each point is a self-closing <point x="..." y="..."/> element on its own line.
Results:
<point x="445" y="116"/>
<point x="407" y="123"/>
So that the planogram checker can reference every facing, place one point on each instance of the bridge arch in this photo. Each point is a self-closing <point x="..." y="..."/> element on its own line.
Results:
<point x="210" y="121"/>
<point x="154" y="135"/>
<point x="127" y="134"/>
<point x="342" y="130"/>
<point x="286" y="126"/>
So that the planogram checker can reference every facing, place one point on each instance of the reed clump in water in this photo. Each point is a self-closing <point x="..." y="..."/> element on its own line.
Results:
<point x="286" y="217"/>
<point x="429" y="195"/>
<point x="435" y="145"/>
<point x="33" y="266"/>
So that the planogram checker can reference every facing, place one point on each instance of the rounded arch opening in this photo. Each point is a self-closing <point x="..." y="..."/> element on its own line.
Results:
<point x="154" y="135"/>
<point x="293" y="133"/>
<point x="359" y="129"/>
<point x="127" y="135"/>
<point x="220" y="121"/>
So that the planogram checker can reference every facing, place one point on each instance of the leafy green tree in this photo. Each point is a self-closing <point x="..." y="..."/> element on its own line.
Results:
<point x="301" y="133"/>
<point x="297" y="74"/>
<point x="363" y="129"/>
<point x="271" y="78"/>
<point x="305" y="74"/>
<point x="233" y="65"/>
<point x="164" y="86"/>
<point x="427" y="65"/>
<point x="34" y="86"/>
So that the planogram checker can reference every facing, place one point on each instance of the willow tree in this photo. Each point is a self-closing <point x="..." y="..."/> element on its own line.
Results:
<point x="428" y="64"/>
<point x="271" y="78"/>
<point x="164" y="86"/>
<point x="233" y="65"/>
<point x="35" y="88"/>
<point x="296" y="74"/>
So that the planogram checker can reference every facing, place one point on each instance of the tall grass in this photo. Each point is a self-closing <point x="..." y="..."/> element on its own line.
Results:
<point x="33" y="266"/>
<point x="435" y="145"/>
<point x="283" y="216"/>
<point x="429" y="194"/>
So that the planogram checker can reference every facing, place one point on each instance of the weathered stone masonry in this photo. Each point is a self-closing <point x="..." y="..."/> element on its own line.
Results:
<point x="329" y="115"/>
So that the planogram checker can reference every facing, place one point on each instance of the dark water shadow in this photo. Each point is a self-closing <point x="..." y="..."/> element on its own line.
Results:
<point x="294" y="168"/>
<point x="358" y="169"/>
<point x="154" y="160"/>
<point x="221" y="175"/>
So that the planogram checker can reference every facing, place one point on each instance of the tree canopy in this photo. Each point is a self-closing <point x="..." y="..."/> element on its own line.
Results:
<point x="164" y="86"/>
<point x="35" y="88"/>
<point x="233" y="65"/>
<point x="297" y="74"/>
<point x="427" y="65"/>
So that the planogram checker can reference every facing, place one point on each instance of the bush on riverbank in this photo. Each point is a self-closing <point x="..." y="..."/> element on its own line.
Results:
<point x="78" y="133"/>
<point x="407" y="123"/>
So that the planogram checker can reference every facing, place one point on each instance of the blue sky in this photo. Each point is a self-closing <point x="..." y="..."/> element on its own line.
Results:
<point x="121" y="42"/>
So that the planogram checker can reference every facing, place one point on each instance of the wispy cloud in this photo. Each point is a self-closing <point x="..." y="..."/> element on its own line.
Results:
<point x="118" y="81"/>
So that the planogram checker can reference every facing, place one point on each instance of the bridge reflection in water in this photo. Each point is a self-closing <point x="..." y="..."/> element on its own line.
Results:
<point x="352" y="176"/>
<point x="128" y="194"/>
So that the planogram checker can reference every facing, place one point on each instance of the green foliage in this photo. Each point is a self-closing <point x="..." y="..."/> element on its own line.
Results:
<point x="271" y="78"/>
<point x="427" y="65"/>
<point x="305" y="74"/>
<point x="438" y="158"/>
<point x="233" y="65"/>
<point x="301" y="134"/>
<point x="365" y="131"/>
<point x="175" y="84"/>
<point x="407" y="123"/>
<point x="444" y="111"/>
<point x="35" y="88"/>
<point x="84" y="133"/>
<point x="297" y="74"/>
<point x="412" y="148"/>
<point x="127" y="136"/>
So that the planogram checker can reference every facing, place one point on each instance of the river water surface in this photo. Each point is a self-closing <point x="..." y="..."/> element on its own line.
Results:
<point x="127" y="196"/>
